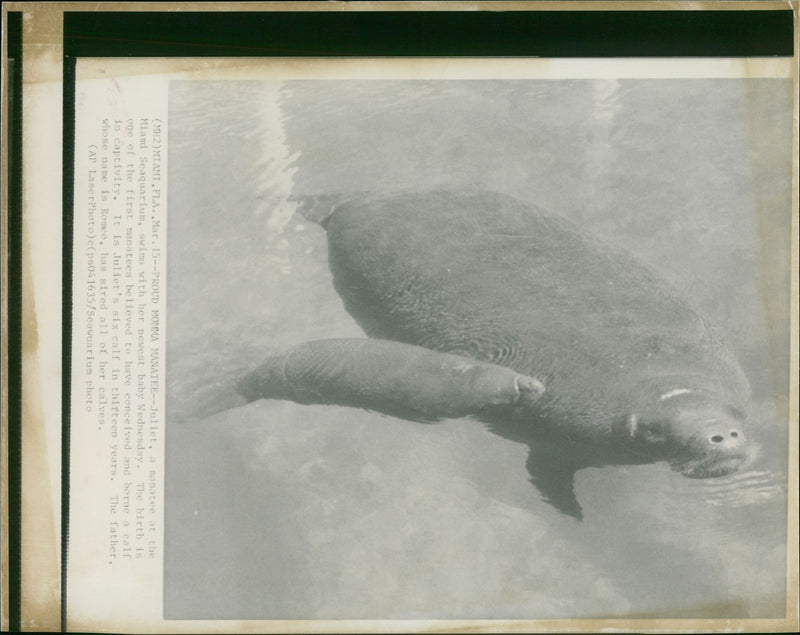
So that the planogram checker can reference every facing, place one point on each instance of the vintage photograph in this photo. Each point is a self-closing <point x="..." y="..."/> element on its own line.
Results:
<point x="477" y="349"/>
<point x="399" y="317"/>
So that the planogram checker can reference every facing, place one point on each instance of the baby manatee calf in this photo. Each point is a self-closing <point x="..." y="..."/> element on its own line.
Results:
<point x="390" y="377"/>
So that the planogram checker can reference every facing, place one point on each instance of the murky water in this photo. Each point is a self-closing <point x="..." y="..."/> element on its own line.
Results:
<point x="277" y="510"/>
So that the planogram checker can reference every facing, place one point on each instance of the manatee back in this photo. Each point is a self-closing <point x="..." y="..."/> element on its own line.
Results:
<point x="484" y="275"/>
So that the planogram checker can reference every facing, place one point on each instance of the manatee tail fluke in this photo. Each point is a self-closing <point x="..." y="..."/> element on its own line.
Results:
<point x="318" y="208"/>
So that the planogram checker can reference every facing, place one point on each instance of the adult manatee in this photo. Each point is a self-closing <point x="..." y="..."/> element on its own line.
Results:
<point x="482" y="305"/>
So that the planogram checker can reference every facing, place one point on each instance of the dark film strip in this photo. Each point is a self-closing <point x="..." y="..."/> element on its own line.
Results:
<point x="14" y="264"/>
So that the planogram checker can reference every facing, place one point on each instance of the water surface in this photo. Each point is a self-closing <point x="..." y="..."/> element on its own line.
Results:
<point x="277" y="510"/>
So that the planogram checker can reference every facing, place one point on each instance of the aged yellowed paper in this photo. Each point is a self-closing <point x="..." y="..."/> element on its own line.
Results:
<point x="188" y="248"/>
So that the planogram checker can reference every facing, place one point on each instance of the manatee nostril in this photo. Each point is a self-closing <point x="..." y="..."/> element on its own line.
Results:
<point x="716" y="438"/>
<point x="734" y="434"/>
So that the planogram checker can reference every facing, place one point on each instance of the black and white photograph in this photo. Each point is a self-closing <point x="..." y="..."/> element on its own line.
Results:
<point x="477" y="349"/>
<point x="399" y="317"/>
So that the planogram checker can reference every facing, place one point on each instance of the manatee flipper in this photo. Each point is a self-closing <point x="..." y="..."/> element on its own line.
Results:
<point x="554" y="477"/>
<point x="397" y="379"/>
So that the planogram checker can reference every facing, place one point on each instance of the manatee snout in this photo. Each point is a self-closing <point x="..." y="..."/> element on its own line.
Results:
<point x="698" y="441"/>
<point x="718" y="447"/>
